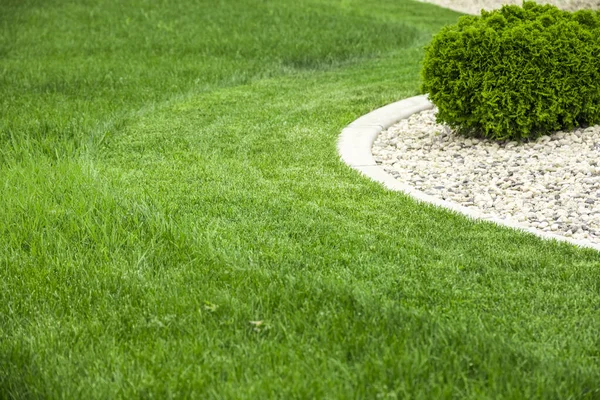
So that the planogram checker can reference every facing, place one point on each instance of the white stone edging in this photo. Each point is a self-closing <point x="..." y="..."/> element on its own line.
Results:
<point x="354" y="147"/>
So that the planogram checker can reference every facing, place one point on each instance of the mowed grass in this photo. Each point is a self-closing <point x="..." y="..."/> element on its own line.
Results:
<point x="175" y="221"/>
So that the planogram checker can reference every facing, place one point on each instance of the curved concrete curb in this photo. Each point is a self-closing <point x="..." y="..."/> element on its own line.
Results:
<point x="354" y="146"/>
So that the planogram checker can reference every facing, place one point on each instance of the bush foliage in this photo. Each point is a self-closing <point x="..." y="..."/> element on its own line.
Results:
<point x="516" y="73"/>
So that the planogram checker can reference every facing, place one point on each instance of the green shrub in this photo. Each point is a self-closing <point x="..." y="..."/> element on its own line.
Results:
<point x="516" y="73"/>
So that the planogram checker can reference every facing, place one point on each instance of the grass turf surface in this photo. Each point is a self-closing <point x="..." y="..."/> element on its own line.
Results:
<point x="169" y="174"/>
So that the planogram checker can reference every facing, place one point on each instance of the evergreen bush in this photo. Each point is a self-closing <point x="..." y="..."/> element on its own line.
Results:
<point x="516" y="73"/>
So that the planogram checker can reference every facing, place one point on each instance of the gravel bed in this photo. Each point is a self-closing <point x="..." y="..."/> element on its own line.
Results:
<point x="552" y="184"/>
<point x="475" y="6"/>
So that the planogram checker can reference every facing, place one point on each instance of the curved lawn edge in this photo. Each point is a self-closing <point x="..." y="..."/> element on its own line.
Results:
<point x="354" y="146"/>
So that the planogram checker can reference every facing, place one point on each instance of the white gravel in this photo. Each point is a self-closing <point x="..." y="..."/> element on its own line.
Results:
<point x="475" y="6"/>
<point x="552" y="184"/>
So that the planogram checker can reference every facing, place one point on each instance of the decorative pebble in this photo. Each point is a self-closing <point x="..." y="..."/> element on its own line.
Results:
<point x="552" y="183"/>
<point x="475" y="6"/>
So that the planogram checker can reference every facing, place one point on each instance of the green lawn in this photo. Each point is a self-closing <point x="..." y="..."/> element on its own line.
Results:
<point x="168" y="174"/>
